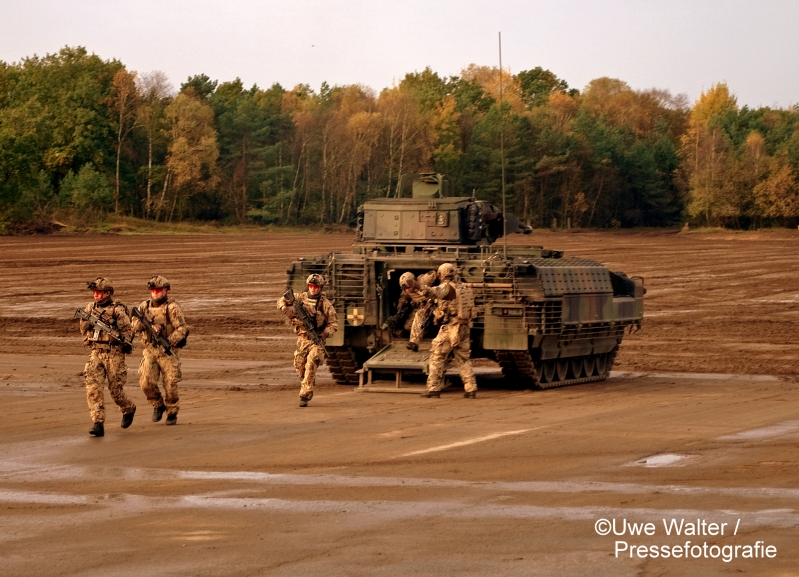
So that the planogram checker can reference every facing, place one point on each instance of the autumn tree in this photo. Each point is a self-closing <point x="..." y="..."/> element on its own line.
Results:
<point x="123" y="103"/>
<point x="406" y="134"/>
<point x="155" y="89"/>
<point x="192" y="153"/>
<point x="537" y="85"/>
<point x="777" y="195"/>
<point x="706" y="150"/>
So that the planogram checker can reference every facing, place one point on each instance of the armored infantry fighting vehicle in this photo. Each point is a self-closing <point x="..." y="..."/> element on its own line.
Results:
<point x="546" y="319"/>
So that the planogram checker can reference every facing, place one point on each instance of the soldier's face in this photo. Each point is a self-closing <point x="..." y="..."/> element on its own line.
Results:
<point x="158" y="293"/>
<point x="100" y="296"/>
<point x="314" y="289"/>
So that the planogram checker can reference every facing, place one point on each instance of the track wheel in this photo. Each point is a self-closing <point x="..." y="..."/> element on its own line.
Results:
<point x="562" y="366"/>
<point x="589" y="365"/>
<point x="549" y="371"/>
<point x="601" y="363"/>
<point x="576" y="367"/>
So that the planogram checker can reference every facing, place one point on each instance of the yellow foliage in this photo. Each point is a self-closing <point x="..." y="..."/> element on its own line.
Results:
<point x="562" y="108"/>
<point x="778" y="195"/>
<point x="488" y="79"/>
<point x="193" y="151"/>
<point x="715" y="102"/>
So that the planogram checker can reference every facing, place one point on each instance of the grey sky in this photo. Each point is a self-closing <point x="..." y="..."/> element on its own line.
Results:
<point x="683" y="46"/>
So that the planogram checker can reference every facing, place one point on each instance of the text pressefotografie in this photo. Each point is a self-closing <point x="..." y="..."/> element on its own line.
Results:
<point x="686" y="550"/>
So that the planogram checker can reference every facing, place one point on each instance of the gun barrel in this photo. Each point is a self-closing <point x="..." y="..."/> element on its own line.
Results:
<point x="155" y="338"/>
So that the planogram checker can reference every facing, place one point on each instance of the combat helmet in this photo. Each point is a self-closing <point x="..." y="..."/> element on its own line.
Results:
<point x="158" y="282"/>
<point x="446" y="271"/>
<point x="406" y="280"/>
<point x="315" y="279"/>
<point x="100" y="284"/>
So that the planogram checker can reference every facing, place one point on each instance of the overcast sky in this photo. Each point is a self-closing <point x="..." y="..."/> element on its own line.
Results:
<point x="684" y="46"/>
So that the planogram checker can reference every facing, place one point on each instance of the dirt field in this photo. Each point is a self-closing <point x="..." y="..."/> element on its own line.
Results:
<point x="700" y="421"/>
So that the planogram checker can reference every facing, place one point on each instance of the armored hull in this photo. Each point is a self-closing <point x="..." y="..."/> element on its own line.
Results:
<point x="546" y="319"/>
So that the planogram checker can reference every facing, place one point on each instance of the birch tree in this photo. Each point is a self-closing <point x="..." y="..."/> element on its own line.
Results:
<point x="124" y="102"/>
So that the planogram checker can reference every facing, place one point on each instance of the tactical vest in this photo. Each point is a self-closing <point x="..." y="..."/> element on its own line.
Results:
<point x="315" y="309"/>
<point x="160" y="314"/>
<point x="109" y="314"/>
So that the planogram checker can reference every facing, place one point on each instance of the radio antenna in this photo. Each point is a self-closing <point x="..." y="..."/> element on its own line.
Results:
<point x="502" y="156"/>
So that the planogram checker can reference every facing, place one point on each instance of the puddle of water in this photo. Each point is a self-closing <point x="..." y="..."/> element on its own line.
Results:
<point x="664" y="460"/>
<point x="669" y="313"/>
<point x="764" y="432"/>
<point x="700" y="376"/>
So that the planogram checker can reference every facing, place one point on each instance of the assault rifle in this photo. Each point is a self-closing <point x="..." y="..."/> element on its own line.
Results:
<point x="398" y="320"/>
<point x="306" y="320"/>
<point x="155" y="336"/>
<point x="427" y="313"/>
<point x="100" y="325"/>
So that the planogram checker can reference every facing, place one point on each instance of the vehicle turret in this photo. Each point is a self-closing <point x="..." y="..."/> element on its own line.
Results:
<point x="423" y="212"/>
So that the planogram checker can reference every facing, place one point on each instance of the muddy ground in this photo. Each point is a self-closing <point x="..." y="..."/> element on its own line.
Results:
<point x="700" y="420"/>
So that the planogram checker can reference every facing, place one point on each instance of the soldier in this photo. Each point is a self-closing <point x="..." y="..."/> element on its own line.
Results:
<point x="166" y="317"/>
<point x="413" y="297"/>
<point x="107" y="359"/>
<point x="454" y="310"/>
<point x="309" y="355"/>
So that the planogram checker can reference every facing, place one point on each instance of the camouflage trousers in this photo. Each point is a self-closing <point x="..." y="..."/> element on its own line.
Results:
<point x="307" y="359"/>
<point x="106" y="365"/>
<point x="452" y="338"/>
<point x="154" y="364"/>
<point x="414" y="324"/>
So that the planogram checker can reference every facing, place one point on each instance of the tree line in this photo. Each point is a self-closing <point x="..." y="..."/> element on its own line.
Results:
<point x="82" y="137"/>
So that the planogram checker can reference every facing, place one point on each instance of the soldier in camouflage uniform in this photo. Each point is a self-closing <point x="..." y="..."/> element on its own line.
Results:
<point x="413" y="296"/>
<point x="166" y="316"/>
<point x="107" y="359"/>
<point x="454" y="311"/>
<point x="308" y="355"/>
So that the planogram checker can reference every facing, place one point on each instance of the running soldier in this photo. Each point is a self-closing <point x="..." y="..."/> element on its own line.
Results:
<point x="107" y="359"/>
<point x="166" y="334"/>
<point x="309" y="354"/>
<point x="413" y="298"/>
<point x="454" y="311"/>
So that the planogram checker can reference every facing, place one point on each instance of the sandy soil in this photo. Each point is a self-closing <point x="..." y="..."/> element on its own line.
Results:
<point x="699" y="421"/>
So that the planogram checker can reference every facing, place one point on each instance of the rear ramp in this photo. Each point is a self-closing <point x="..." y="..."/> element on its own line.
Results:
<point x="396" y="360"/>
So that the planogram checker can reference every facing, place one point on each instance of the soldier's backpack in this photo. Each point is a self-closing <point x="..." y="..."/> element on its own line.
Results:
<point x="466" y="308"/>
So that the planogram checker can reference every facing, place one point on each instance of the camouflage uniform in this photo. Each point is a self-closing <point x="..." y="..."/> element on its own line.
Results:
<point x="106" y="361"/>
<point x="155" y="362"/>
<point x="417" y="300"/>
<point x="308" y="355"/>
<point x="454" y="336"/>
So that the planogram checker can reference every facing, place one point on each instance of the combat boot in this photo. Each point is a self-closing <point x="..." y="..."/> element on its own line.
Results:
<point x="171" y="419"/>
<point x="97" y="430"/>
<point x="158" y="412"/>
<point x="412" y="347"/>
<point x="431" y="395"/>
<point x="127" y="418"/>
<point x="470" y="395"/>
